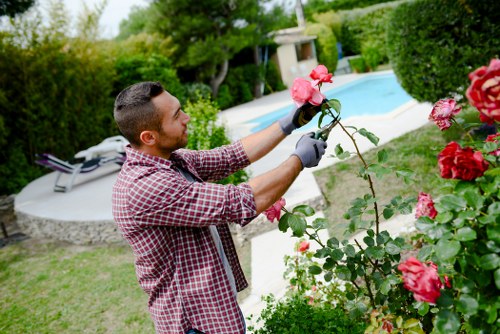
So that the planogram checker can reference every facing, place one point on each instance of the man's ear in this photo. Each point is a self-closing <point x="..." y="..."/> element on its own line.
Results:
<point x="148" y="138"/>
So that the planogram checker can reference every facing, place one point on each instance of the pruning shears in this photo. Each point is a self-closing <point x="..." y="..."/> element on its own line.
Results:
<point x="323" y="132"/>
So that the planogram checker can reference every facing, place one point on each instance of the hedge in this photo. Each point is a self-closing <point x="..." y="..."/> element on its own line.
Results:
<point x="434" y="44"/>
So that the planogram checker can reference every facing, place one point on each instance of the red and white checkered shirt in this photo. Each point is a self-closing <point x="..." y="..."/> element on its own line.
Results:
<point x="166" y="220"/>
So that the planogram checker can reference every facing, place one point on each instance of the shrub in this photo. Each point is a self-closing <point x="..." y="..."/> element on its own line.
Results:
<point x="240" y="83"/>
<point x="366" y="26"/>
<point x="295" y="316"/>
<point x="326" y="45"/>
<point x="434" y="44"/>
<point x="205" y="133"/>
<point x="273" y="79"/>
<point x="134" y="68"/>
<point x="54" y="96"/>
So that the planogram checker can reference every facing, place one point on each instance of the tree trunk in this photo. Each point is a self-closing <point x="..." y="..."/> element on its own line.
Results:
<point x="216" y="81"/>
<point x="257" y="89"/>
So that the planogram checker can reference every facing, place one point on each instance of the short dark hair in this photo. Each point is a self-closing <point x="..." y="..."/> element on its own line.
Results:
<point x="134" y="111"/>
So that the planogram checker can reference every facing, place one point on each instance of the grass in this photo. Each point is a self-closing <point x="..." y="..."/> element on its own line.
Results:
<point x="47" y="287"/>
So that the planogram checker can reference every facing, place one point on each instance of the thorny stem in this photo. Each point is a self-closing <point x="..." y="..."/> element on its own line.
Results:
<point x="375" y="265"/>
<point x="370" y="182"/>
<point x="313" y="237"/>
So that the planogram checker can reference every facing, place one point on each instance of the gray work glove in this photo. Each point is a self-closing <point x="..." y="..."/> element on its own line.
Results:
<point x="309" y="150"/>
<point x="299" y="117"/>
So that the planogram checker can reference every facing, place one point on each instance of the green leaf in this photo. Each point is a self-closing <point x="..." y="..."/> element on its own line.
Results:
<point x="466" y="234"/>
<point x="494" y="208"/>
<point x="343" y="273"/>
<point x="490" y="261"/>
<point x="452" y="202"/>
<point x="467" y="305"/>
<point x="493" y="233"/>
<point x="473" y="199"/>
<point x="335" y="104"/>
<point x="378" y="170"/>
<point x="333" y="242"/>
<point x="496" y="276"/>
<point x="375" y="252"/>
<point x="337" y="254"/>
<point x="320" y="120"/>
<point x="350" y="251"/>
<point x="382" y="156"/>
<point x="329" y="264"/>
<point x="338" y="149"/>
<point x="297" y="224"/>
<point x="283" y="223"/>
<point x="320" y="223"/>
<point x="422" y="308"/>
<point x="447" y="322"/>
<point x="306" y="210"/>
<point x="369" y="241"/>
<point x="447" y="249"/>
<point x="371" y="137"/>
<point x="392" y="249"/>
<point x="388" y="213"/>
<point x="315" y="270"/>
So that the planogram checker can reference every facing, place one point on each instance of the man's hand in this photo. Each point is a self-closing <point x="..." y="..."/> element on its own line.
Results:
<point x="299" y="117"/>
<point x="309" y="150"/>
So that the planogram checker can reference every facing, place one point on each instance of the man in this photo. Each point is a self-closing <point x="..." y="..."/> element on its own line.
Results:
<point x="176" y="220"/>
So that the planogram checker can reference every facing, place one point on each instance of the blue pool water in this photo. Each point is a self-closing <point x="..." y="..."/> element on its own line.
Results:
<point x="370" y="95"/>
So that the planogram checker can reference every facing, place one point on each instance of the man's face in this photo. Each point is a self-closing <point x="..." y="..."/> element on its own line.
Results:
<point x="173" y="134"/>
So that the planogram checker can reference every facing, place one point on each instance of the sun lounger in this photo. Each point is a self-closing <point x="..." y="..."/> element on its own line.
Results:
<point x="111" y="150"/>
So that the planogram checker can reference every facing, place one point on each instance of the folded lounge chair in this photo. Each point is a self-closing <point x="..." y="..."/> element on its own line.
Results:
<point x="111" y="150"/>
<point x="64" y="167"/>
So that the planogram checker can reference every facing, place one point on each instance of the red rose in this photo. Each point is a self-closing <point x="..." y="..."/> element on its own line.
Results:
<point x="484" y="91"/>
<point x="425" y="206"/>
<point x="320" y="74"/>
<point x="461" y="163"/>
<point x="443" y="111"/>
<point x="494" y="139"/>
<point x="421" y="279"/>
<point x="387" y="326"/>
<point x="303" y="246"/>
<point x="274" y="212"/>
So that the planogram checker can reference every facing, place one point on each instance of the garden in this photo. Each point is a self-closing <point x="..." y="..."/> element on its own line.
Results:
<point x="441" y="277"/>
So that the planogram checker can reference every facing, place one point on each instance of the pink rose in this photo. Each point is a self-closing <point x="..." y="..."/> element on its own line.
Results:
<point x="443" y="112"/>
<point x="303" y="246"/>
<point x="484" y="91"/>
<point x="320" y="74"/>
<point x="425" y="206"/>
<point x="461" y="163"/>
<point x="274" y="212"/>
<point x="494" y="139"/>
<point x="421" y="279"/>
<point x="303" y="91"/>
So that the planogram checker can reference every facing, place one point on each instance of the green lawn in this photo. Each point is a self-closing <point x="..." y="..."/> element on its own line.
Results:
<point x="52" y="288"/>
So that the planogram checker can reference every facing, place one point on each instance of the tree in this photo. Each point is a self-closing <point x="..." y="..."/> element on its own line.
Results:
<point x="13" y="7"/>
<point x="207" y="34"/>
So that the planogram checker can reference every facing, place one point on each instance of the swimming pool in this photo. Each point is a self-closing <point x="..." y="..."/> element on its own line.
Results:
<point x="370" y="95"/>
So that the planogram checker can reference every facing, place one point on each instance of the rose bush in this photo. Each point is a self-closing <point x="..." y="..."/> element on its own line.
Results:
<point x="453" y="283"/>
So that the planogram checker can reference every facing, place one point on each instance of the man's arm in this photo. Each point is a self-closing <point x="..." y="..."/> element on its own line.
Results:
<point x="269" y="187"/>
<point x="260" y="143"/>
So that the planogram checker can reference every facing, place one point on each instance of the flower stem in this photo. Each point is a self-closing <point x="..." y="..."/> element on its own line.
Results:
<point x="370" y="182"/>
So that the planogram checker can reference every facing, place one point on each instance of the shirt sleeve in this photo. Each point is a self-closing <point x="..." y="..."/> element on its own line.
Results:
<point x="166" y="199"/>
<point x="216" y="164"/>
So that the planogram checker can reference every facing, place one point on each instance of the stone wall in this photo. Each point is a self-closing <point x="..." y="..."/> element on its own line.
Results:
<point x="106" y="232"/>
<point x="76" y="232"/>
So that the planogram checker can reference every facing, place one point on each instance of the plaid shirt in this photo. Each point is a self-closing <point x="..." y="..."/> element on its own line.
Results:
<point x="166" y="220"/>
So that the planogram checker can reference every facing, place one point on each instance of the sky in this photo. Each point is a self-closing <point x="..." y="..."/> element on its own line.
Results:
<point x="114" y="12"/>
